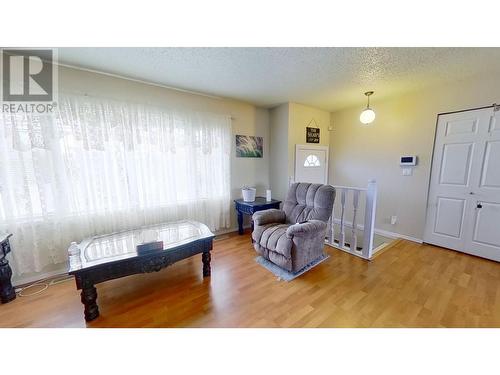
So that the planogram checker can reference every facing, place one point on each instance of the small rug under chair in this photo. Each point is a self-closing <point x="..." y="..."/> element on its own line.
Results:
<point x="287" y="275"/>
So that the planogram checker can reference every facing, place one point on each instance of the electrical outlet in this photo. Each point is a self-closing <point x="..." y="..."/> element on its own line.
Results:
<point x="394" y="219"/>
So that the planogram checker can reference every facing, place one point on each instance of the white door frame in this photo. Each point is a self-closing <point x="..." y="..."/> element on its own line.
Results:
<point x="434" y="148"/>
<point x="431" y="172"/>
<point x="432" y="157"/>
<point x="314" y="147"/>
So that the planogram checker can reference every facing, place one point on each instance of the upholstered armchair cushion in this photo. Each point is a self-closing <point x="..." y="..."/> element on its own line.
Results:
<point x="268" y="216"/>
<point x="309" y="227"/>
<point x="308" y="201"/>
<point x="294" y="237"/>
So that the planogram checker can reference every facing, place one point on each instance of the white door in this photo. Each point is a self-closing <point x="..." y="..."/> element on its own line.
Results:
<point x="311" y="164"/>
<point x="463" y="210"/>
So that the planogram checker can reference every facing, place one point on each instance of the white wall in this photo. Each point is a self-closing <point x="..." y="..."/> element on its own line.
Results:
<point x="278" y="168"/>
<point x="405" y="125"/>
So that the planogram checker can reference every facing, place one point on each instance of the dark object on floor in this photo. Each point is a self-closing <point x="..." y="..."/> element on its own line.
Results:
<point x="249" y="208"/>
<point x="7" y="292"/>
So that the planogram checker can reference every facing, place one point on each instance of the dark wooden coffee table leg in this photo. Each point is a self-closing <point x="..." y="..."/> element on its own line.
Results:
<point x="205" y="257"/>
<point x="89" y="300"/>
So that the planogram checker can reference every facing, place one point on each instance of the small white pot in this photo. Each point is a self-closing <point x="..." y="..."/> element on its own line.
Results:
<point x="248" y="194"/>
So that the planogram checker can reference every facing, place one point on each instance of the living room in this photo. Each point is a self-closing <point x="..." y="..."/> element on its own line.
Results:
<point x="316" y="185"/>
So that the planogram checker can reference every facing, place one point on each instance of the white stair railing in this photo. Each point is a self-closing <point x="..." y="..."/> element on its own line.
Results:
<point x="347" y="205"/>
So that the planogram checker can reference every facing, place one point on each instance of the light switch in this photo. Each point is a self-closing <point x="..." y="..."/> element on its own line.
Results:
<point x="407" y="171"/>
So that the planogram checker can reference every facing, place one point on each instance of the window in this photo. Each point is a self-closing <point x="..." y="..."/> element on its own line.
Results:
<point x="97" y="166"/>
<point x="312" y="161"/>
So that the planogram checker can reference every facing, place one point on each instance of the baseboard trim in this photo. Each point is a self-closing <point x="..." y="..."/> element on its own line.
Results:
<point x="389" y="234"/>
<point x="230" y="230"/>
<point x="25" y="281"/>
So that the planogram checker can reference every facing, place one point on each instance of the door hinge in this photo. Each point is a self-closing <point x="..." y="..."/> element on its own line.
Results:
<point x="496" y="107"/>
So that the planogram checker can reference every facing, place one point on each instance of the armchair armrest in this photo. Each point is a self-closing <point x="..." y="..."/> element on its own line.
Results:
<point x="310" y="227"/>
<point x="268" y="216"/>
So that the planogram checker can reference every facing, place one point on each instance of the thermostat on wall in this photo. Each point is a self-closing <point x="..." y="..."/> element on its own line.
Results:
<point x="408" y="160"/>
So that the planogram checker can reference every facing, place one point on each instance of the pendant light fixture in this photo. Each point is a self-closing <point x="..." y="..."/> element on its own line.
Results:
<point x="367" y="116"/>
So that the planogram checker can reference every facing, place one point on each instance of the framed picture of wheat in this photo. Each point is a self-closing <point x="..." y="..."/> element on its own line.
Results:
<point x="248" y="146"/>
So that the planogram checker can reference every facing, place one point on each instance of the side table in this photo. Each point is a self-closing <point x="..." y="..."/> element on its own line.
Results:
<point x="248" y="208"/>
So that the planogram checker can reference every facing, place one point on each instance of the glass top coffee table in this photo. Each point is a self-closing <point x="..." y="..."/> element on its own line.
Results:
<point x="146" y="249"/>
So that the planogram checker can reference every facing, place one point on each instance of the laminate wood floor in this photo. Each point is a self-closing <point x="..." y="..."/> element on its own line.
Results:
<point x="409" y="285"/>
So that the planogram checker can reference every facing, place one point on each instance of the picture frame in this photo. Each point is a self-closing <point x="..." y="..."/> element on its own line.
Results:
<point x="248" y="146"/>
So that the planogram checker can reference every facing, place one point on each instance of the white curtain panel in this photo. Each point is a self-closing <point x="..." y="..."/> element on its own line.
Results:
<point x="99" y="166"/>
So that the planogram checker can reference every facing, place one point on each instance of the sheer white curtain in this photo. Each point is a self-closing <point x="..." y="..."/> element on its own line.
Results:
<point x="97" y="166"/>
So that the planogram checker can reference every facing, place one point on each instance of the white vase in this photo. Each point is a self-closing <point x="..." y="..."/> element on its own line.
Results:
<point x="248" y="194"/>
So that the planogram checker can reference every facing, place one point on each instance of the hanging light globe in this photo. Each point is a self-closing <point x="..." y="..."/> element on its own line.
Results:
<point x="368" y="115"/>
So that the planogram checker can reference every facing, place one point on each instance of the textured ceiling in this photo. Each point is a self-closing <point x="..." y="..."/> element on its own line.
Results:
<point x="327" y="78"/>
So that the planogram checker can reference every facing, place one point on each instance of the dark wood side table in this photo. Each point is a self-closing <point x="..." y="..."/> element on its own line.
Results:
<point x="7" y="292"/>
<point x="248" y="208"/>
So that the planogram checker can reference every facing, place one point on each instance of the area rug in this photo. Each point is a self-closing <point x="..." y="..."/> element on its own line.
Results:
<point x="284" y="274"/>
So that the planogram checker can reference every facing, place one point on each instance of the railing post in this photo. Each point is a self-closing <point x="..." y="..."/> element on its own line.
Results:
<point x="354" y="237"/>
<point x="332" y="228"/>
<point x="329" y="231"/>
<point x="369" y="227"/>
<point x="342" y="218"/>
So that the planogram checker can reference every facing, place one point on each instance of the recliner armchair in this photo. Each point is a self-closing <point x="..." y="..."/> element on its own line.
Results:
<point x="294" y="237"/>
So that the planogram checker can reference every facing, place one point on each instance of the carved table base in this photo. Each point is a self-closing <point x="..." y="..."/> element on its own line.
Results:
<point x="7" y="292"/>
